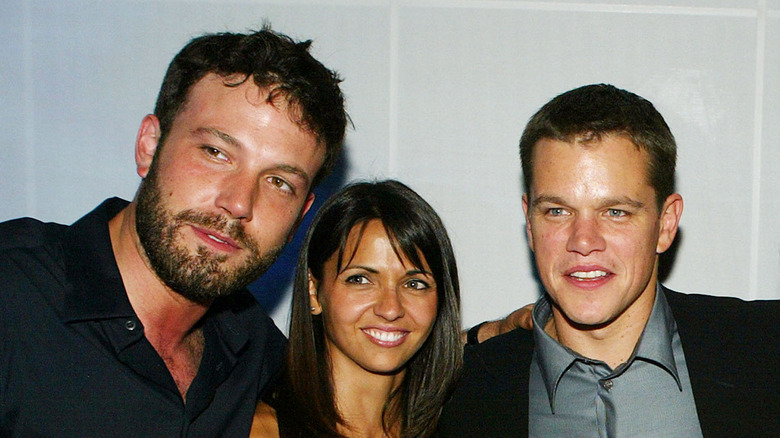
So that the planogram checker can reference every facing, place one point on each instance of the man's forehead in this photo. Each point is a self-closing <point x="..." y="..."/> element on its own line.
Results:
<point x="213" y="89"/>
<point x="271" y="94"/>
<point x="228" y="85"/>
<point x="592" y="162"/>
<point x="619" y="146"/>
<point x="217" y="107"/>
<point x="590" y="138"/>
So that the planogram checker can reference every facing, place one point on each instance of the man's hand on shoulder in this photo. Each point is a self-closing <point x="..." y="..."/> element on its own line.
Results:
<point x="520" y="318"/>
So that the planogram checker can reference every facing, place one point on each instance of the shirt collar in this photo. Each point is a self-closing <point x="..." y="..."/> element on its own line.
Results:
<point x="655" y="343"/>
<point x="96" y="290"/>
<point x="654" y="346"/>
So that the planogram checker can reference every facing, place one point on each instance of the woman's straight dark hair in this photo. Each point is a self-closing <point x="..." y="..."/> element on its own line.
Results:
<point x="305" y="403"/>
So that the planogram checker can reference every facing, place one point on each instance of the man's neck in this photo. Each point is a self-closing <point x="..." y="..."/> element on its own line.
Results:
<point x="169" y="320"/>
<point x="612" y="343"/>
<point x="158" y="307"/>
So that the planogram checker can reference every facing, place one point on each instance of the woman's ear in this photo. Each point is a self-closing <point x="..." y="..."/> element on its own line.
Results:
<point x="314" y="301"/>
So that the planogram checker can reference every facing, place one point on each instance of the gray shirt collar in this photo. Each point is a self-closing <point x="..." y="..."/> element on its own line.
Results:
<point x="654" y="346"/>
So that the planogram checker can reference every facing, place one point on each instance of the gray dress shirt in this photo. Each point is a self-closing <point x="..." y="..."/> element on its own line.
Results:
<point x="647" y="396"/>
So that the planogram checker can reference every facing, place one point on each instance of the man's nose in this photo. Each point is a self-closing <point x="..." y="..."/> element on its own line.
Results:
<point x="238" y="195"/>
<point x="586" y="235"/>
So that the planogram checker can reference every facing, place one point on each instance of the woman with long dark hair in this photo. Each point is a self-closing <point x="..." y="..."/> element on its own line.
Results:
<point x="374" y="335"/>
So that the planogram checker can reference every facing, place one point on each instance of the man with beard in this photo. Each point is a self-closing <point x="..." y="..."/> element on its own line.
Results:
<point x="135" y="320"/>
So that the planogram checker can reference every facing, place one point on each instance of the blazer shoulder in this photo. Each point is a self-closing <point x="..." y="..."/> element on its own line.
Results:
<point x="728" y="312"/>
<point x="732" y="349"/>
<point x="729" y="337"/>
<point x="501" y="354"/>
<point x="491" y="397"/>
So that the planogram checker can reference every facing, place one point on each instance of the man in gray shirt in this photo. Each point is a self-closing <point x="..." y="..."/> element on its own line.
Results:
<point x="613" y="353"/>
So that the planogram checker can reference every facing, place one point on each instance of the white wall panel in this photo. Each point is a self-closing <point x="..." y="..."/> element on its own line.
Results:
<point x="15" y="190"/>
<point x="766" y="242"/>
<point x="439" y="92"/>
<point x="471" y="78"/>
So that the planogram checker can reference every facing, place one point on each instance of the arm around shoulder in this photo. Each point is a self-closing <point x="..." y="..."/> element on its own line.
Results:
<point x="520" y="318"/>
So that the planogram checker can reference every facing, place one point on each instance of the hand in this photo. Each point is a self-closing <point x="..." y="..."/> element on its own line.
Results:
<point x="520" y="318"/>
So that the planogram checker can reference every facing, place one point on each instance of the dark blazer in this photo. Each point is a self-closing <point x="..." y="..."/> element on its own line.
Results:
<point x="732" y="348"/>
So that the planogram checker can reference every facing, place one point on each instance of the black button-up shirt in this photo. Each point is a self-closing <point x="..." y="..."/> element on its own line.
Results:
<point x="73" y="357"/>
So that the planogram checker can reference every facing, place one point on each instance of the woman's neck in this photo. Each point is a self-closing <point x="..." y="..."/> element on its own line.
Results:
<point x="361" y="397"/>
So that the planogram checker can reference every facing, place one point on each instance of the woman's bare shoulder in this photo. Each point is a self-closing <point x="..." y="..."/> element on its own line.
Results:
<point x="264" y="423"/>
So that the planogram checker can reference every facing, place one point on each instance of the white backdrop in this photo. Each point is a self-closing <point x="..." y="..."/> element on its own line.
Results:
<point x="439" y="92"/>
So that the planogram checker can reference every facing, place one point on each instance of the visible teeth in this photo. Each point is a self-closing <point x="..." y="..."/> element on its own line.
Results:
<point x="216" y="239"/>
<point x="385" y="336"/>
<point x="589" y="274"/>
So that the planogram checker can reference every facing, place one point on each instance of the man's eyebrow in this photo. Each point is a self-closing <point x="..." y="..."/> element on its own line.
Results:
<point x="622" y="200"/>
<point x="227" y="138"/>
<point x="548" y="199"/>
<point x="294" y="170"/>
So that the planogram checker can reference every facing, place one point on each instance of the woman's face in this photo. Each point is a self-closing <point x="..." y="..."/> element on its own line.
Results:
<point x="379" y="309"/>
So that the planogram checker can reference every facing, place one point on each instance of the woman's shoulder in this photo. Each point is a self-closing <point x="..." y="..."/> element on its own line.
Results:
<point x="264" y="423"/>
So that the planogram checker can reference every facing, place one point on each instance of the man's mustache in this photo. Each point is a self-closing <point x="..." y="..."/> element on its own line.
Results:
<point x="220" y="223"/>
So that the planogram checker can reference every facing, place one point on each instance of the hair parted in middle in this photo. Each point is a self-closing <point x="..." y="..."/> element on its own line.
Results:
<point x="414" y="228"/>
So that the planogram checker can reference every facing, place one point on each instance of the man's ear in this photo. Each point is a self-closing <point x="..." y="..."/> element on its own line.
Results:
<point x="306" y="207"/>
<point x="146" y="144"/>
<point x="528" y="222"/>
<point x="669" y="221"/>
<point x="314" y="301"/>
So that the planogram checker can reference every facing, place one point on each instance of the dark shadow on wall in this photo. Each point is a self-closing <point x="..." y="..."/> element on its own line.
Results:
<point x="534" y="270"/>
<point x="270" y="289"/>
<point x="666" y="260"/>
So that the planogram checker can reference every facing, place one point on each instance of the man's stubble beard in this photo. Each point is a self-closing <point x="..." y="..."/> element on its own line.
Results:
<point x="200" y="277"/>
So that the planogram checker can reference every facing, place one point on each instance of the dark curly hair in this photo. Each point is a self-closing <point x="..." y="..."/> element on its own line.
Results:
<point x="275" y="62"/>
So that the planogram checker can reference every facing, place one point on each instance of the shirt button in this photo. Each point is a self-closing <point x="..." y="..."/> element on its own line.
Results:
<point x="130" y="325"/>
<point x="607" y="384"/>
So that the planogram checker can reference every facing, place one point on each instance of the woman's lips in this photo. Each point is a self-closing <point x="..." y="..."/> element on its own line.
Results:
<point x="386" y="337"/>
